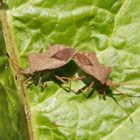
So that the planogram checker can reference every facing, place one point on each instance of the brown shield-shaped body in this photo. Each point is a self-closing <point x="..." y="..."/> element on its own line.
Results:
<point x="56" y="56"/>
<point x="89" y="63"/>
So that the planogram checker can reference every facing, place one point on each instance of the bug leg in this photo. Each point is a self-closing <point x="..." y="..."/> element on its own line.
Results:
<point x="102" y="92"/>
<point x="28" y="79"/>
<point x="62" y="79"/>
<point x="123" y="109"/>
<point x="79" y="78"/>
<point x="70" y="79"/>
<point x="65" y="79"/>
<point x="43" y="86"/>
<point x="29" y="85"/>
<point x="114" y="85"/>
<point x="81" y="90"/>
<point x="39" y="80"/>
<point x="86" y="90"/>
<point x="90" y="86"/>
<point x="69" y="87"/>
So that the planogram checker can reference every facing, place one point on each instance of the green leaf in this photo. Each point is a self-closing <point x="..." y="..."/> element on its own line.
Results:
<point x="111" y="29"/>
<point x="12" y="119"/>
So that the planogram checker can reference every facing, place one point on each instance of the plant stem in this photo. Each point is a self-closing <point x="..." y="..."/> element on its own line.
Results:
<point x="19" y="83"/>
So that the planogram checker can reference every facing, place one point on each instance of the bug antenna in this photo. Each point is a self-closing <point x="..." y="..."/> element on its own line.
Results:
<point x="123" y="109"/>
<point x="13" y="63"/>
<point x="126" y="83"/>
<point x="126" y="113"/>
<point x="124" y="94"/>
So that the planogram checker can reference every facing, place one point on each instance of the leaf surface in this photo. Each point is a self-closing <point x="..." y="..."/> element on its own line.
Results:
<point x="111" y="29"/>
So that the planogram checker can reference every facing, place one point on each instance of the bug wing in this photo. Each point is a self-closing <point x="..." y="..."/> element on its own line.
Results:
<point x="53" y="49"/>
<point x="88" y="62"/>
<point x="64" y="55"/>
<point x="100" y="71"/>
<point x="84" y="63"/>
<point x="52" y="59"/>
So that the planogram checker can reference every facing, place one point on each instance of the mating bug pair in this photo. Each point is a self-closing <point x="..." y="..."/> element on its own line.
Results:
<point x="59" y="55"/>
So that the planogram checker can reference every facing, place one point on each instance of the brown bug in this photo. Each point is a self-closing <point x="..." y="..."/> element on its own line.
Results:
<point x="56" y="56"/>
<point x="89" y="63"/>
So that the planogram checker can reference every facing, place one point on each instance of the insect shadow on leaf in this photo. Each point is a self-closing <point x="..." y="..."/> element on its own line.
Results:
<point x="43" y="65"/>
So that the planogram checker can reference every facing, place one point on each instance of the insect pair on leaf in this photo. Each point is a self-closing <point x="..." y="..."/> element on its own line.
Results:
<point x="58" y="56"/>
